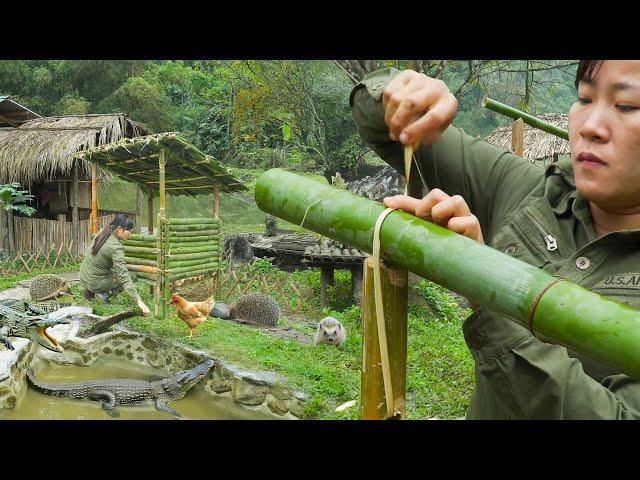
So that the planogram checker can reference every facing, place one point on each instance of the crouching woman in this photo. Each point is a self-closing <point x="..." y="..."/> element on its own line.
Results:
<point x="103" y="272"/>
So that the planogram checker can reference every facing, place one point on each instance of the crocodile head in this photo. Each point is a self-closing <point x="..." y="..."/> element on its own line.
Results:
<point x="16" y="323"/>
<point x="35" y="329"/>
<point x="178" y="384"/>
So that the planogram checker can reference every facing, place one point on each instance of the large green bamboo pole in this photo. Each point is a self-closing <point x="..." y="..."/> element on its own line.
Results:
<point x="141" y="237"/>
<point x="526" y="118"/>
<point x="557" y="310"/>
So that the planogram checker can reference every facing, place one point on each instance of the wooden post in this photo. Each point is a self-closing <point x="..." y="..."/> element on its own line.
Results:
<point x="149" y="211"/>
<point x="62" y="221"/>
<point x="75" y="223"/>
<point x="356" y="284"/>
<point x="4" y="230"/>
<point x="395" y="300"/>
<point x="517" y="137"/>
<point x="138" y="226"/>
<point x="161" y="299"/>
<point x="216" y="205"/>
<point x="326" y="278"/>
<point x="10" y="230"/>
<point x="94" y="199"/>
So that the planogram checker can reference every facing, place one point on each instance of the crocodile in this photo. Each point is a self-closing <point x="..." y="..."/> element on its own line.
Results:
<point x="119" y="391"/>
<point x="15" y="322"/>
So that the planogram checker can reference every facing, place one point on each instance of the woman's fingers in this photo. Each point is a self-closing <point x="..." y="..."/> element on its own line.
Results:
<point x="429" y="127"/>
<point x="417" y="108"/>
<point x="448" y="211"/>
<point x="402" y="202"/>
<point x="467" y="226"/>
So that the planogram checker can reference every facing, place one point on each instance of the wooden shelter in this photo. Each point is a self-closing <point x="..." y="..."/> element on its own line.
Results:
<point x="39" y="154"/>
<point x="538" y="146"/>
<point x="13" y="114"/>
<point x="182" y="248"/>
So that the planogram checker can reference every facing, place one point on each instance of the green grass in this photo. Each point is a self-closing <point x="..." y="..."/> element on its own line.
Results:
<point x="439" y="373"/>
<point x="12" y="280"/>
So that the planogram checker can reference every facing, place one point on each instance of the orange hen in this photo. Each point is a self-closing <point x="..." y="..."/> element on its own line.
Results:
<point x="192" y="313"/>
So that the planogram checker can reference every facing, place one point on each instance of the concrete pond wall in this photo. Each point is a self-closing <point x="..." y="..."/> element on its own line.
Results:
<point x="252" y="389"/>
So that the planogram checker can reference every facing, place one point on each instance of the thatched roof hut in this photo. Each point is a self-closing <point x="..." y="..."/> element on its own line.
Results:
<point x="42" y="149"/>
<point x="538" y="145"/>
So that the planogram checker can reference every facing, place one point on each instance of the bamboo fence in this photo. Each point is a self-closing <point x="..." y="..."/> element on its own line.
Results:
<point x="56" y="256"/>
<point x="35" y="234"/>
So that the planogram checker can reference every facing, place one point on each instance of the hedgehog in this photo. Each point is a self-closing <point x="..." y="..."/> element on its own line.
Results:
<point x="256" y="308"/>
<point x="48" y="287"/>
<point x="329" y="330"/>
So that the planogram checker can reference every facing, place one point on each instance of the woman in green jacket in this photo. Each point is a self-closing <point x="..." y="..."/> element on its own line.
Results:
<point x="578" y="219"/>
<point x="104" y="271"/>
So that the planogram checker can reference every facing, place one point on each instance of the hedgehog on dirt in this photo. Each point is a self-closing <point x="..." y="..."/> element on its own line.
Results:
<point x="256" y="308"/>
<point x="48" y="287"/>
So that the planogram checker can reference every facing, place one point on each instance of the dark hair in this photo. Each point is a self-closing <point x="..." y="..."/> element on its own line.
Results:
<point x="587" y="69"/>
<point x="121" y="220"/>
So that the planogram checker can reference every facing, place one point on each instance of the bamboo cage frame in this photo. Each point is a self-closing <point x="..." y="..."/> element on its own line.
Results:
<point x="181" y="248"/>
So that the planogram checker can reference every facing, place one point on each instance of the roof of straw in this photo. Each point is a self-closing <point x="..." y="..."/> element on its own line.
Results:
<point x="188" y="171"/>
<point x="538" y="145"/>
<point x="43" y="149"/>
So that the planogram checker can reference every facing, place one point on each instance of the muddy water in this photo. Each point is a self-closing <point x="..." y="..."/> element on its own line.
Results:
<point x="197" y="404"/>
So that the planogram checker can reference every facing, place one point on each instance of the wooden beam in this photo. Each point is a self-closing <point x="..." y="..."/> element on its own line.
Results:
<point x="94" y="199"/>
<point x="149" y="211"/>
<point x="9" y="121"/>
<point x="138" y="226"/>
<point x="190" y="179"/>
<point x="75" y="220"/>
<point x="216" y="204"/>
<point x="395" y="300"/>
<point x="517" y="137"/>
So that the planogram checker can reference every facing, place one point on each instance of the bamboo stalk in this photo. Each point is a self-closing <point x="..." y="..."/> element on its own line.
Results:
<point x="192" y="227"/>
<point x="143" y="256"/>
<point x="557" y="310"/>
<point x="151" y="277"/>
<point x="204" y="238"/>
<point x="139" y="243"/>
<point x="213" y="255"/>
<point x="140" y="237"/>
<point x="94" y="199"/>
<point x="211" y="244"/>
<point x="142" y="268"/>
<point x="180" y="276"/>
<point x="140" y="261"/>
<point x="528" y="119"/>
<point x="204" y="266"/>
<point x="198" y="233"/>
<point x="190" y="221"/>
<point x="179" y="251"/>
<point x="187" y="263"/>
<point x="147" y="250"/>
<point x="149" y="211"/>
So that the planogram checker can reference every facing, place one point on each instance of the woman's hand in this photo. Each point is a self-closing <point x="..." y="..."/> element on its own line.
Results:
<point x="447" y="211"/>
<point x="144" y="308"/>
<point x="417" y="108"/>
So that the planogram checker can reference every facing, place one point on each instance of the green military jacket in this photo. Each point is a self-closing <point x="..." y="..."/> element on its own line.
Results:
<point x="107" y="269"/>
<point x="537" y="216"/>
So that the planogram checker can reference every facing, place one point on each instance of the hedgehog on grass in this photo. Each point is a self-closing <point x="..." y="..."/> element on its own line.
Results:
<point x="256" y="308"/>
<point x="48" y="287"/>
